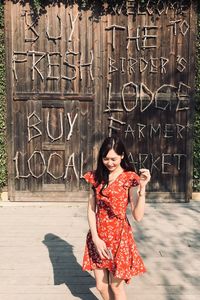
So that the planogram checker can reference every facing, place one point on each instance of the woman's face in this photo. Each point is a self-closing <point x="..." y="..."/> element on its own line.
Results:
<point x="112" y="161"/>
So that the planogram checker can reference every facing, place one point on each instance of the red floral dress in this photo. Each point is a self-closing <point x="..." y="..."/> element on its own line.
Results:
<point x="113" y="227"/>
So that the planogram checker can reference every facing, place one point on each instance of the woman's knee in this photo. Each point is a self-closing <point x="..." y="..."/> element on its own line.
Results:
<point x="102" y="286"/>
<point x="117" y="288"/>
<point x="101" y="277"/>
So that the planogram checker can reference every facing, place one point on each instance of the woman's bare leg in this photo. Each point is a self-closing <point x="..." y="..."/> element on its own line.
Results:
<point x="102" y="283"/>
<point x="117" y="286"/>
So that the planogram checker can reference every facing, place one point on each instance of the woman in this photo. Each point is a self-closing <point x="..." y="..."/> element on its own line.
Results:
<point x="110" y="248"/>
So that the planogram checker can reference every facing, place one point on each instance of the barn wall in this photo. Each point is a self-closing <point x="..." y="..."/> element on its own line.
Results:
<point x="76" y="75"/>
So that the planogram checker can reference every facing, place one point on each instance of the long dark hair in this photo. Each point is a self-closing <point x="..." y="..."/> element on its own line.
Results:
<point x="115" y="143"/>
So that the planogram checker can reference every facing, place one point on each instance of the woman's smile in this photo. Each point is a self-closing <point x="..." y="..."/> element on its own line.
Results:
<point x="112" y="161"/>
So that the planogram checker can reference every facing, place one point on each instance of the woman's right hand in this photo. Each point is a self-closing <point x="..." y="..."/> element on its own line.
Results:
<point x="101" y="248"/>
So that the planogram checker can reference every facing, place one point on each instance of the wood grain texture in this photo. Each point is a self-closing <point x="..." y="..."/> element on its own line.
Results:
<point x="73" y="79"/>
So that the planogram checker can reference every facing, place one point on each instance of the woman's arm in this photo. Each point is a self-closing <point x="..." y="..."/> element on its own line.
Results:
<point x="137" y="202"/>
<point x="99" y="243"/>
<point x="91" y="214"/>
<point x="137" y="196"/>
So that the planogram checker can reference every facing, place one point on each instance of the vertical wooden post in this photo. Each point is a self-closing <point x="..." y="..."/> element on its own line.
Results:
<point x="9" y="90"/>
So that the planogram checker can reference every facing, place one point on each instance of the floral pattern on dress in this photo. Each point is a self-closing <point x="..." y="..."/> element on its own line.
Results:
<point x="113" y="227"/>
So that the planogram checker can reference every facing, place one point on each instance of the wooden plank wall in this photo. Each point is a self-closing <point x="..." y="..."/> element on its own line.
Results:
<point x="74" y="78"/>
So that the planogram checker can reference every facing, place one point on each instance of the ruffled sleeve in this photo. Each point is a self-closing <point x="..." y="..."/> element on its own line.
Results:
<point x="132" y="179"/>
<point x="89" y="177"/>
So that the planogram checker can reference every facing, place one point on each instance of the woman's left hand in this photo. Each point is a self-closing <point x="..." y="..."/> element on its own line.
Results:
<point x="144" y="177"/>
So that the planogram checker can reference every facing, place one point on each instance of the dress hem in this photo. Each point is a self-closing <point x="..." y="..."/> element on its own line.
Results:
<point x="127" y="280"/>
